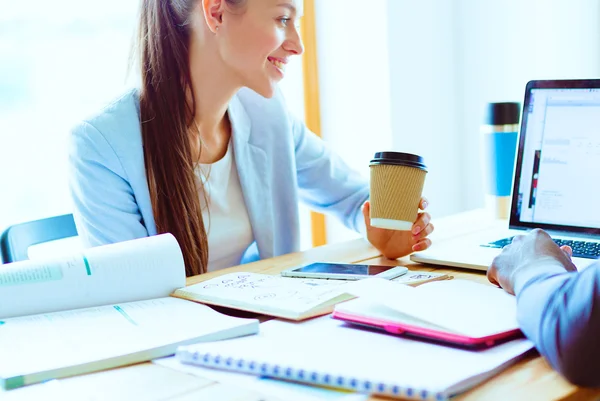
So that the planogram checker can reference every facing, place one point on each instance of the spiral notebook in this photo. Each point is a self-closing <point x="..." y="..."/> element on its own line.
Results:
<point x="327" y="352"/>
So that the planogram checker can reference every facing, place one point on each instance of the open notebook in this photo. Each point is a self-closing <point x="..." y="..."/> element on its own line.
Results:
<point x="100" y="308"/>
<point x="327" y="352"/>
<point x="458" y="312"/>
<point x="285" y="297"/>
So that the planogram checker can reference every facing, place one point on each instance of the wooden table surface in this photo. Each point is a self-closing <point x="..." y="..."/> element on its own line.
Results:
<point x="530" y="379"/>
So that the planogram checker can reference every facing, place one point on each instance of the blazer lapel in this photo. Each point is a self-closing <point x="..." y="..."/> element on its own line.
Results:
<point x="255" y="178"/>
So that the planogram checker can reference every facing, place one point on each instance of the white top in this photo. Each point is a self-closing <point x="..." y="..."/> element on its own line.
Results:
<point x="225" y="217"/>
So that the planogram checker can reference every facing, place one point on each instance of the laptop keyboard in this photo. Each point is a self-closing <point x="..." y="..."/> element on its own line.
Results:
<point x="581" y="249"/>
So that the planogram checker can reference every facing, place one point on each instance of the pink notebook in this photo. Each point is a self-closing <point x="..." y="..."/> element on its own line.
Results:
<point x="456" y="312"/>
<point x="429" y="334"/>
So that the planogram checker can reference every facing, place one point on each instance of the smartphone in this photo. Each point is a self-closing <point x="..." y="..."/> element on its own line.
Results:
<point x="344" y="271"/>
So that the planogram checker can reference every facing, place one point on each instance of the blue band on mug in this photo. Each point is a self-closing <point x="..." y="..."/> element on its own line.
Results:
<point x="499" y="153"/>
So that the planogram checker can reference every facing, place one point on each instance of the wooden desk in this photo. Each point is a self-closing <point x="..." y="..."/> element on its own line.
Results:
<point x="530" y="379"/>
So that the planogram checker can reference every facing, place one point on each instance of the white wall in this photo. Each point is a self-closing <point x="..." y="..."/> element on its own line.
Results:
<point x="424" y="94"/>
<point x="505" y="43"/>
<point x="354" y="79"/>
<point x="415" y="76"/>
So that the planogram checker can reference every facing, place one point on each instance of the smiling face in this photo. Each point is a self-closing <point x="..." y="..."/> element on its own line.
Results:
<point x="257" y="41"/>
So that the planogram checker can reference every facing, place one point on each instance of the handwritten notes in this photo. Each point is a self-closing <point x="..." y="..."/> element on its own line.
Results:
<point x="290" y="298"/>
<point x="265" y="293"/>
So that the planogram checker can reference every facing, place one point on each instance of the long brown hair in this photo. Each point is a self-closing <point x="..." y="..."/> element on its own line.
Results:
<point x="167" y="108"/>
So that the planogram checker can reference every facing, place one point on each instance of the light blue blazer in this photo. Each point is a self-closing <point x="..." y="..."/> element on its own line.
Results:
<point x="279" y="161"/>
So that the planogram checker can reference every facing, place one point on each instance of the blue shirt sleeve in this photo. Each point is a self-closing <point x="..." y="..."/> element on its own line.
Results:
<point x="560" y="312"/>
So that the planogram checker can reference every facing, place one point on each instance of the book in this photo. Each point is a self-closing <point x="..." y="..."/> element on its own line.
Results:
<point x="457" y="312"/>
<point x="100" y="308"/>
<point x="327" y="352"/>
<point x="284" y="297"/>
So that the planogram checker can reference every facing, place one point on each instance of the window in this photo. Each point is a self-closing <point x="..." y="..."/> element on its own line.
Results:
<point x="59" y="61"/>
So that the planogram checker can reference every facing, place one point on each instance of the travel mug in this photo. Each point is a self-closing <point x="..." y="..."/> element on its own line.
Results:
<point x="499" y="136"/>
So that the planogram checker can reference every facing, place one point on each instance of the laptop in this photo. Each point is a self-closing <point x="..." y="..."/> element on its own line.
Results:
<point x="556" y="184"/>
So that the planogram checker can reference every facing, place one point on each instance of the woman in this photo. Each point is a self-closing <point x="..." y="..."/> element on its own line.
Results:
<point x="223" y="164"/>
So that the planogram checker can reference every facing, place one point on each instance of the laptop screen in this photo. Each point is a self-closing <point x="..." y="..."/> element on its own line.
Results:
<point x="557" y="183"/>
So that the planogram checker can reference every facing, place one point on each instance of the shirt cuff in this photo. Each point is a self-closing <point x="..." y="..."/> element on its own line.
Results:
<point x="546" y="266"/>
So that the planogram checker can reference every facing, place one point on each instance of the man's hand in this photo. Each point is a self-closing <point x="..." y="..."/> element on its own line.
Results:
<point x="524" y="252"/>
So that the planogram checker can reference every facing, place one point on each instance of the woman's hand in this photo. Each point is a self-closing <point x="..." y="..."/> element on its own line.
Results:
<point x="394" y="244"/>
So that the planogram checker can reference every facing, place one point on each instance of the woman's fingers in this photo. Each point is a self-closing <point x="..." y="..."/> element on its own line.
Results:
<point x="422" y="245"/>
<point x="423" y="220"/>
<point x="425" y="232"/>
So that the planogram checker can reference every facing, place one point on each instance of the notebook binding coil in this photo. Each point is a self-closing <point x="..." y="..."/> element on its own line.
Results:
<point x="314" y="377"/>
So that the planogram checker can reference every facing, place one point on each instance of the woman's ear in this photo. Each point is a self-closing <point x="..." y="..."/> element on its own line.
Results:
<point x="213" y="13"/>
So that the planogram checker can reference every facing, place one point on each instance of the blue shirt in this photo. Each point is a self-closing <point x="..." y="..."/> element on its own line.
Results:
<point x="560" y="312"/>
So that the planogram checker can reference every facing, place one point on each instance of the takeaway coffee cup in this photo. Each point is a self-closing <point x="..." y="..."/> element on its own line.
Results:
<point x="397" y="181"/>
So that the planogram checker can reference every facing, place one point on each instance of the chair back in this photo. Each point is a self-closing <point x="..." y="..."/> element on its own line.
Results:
<point x="16" y="239"/>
